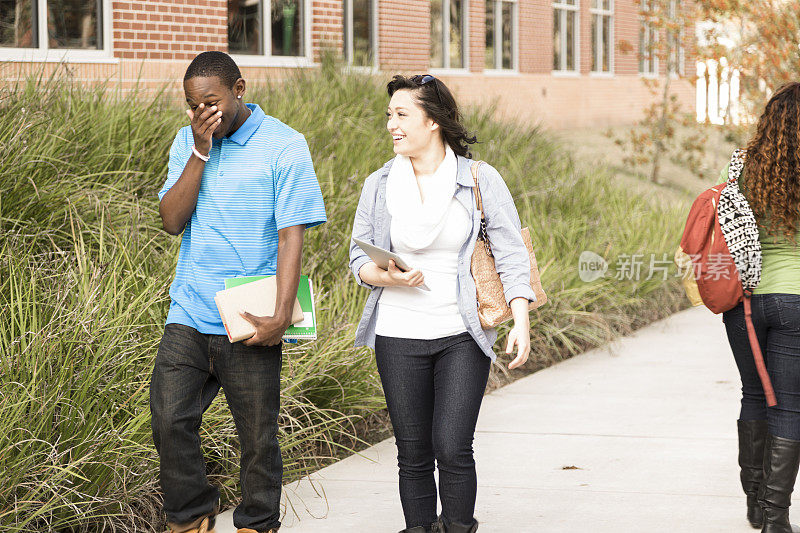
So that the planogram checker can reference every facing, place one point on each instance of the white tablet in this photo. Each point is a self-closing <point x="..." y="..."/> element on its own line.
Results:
<point x="381" y="258"/>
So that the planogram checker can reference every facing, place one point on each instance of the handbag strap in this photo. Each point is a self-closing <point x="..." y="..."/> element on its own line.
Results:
<point x="477" y="189"/>
<point x="483" y="234"/>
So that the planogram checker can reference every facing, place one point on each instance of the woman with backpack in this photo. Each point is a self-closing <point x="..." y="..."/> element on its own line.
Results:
<point x="769" y="437"/>
<point x="433" y="356"/>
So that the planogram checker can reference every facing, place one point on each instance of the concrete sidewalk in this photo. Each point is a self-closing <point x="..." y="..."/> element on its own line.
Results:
<point x="639" y="436"/>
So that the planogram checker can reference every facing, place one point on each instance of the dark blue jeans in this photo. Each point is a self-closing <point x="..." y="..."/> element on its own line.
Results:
<point x="190" y="367"/>
<point x="434" y="390"/>
<point x="776" y="318"/>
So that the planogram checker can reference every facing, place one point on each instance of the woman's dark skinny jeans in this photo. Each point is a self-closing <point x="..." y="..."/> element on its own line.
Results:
<point x="434" y="390"/>
<point x="776" y="318"/>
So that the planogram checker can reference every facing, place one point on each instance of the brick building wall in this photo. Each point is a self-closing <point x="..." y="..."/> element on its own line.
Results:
<point x="152" y="42"/>
<point x="168" y="30"/>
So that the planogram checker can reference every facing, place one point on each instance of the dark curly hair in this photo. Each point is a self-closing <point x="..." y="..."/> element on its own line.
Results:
<point x="440" y="106"/>
<point x="214" y="63"/>
<point x="772" y="165"/>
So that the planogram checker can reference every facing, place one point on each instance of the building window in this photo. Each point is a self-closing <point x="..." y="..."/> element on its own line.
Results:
<point x="282" y="35"/>
<point x="501" y="35"/>
<point x="244" y="27"/>
<point x="648" y="40"/>
<point x="602" y="35"/>
<point x="448" y="28"/>
<point x="677" y="54"/>
<point x="360" y="37"/>
<point x="565" y="35"/>
<point x="51" y="24"/>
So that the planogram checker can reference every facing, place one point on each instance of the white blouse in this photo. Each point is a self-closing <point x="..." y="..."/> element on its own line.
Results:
<point x="429" y="235"/>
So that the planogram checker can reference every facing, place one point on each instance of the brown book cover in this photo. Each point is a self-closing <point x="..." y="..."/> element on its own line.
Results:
<point x="257" y="298"/>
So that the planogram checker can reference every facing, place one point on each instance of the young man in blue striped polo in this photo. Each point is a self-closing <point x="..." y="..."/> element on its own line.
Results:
<point x="241" y="187"/>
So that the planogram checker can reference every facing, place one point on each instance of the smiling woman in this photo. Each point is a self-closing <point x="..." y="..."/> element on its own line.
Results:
<point x="432" y="354"/>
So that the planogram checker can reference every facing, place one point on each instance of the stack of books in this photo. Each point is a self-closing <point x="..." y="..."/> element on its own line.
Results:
<point x="256" y="295"/>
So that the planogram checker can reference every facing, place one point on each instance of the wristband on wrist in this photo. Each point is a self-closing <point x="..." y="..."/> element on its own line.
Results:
<point x="199" y="155"/>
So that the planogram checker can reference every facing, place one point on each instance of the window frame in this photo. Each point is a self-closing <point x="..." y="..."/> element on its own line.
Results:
<point x="44" y="54"/>
<point x="498" y="48"/>
<point x="347" y="27"/>
<point x="680" y="50"/>
<point x="266" y="59"/>
<point x="646" y="29"/>
<point x="465" y="40"/>
<point x="597" y="44"/>
<point x="564" y="11"/>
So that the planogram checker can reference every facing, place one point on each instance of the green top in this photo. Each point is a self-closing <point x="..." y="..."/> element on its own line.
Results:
<point x="780" y="259"/>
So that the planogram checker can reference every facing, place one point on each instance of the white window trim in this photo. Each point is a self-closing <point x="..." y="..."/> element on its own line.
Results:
<point x="465" y="46"/>
<point x="498" y="48"/>
<point x="44" y="54"/>
<point x="499" y="73"/>
<point x="607" y="13"/>
<point x="656" y="66"/>
<point x="449" y="72"/>
<point x="348" y="38"/>
<point x="681" y="51"/>
<point x="576" y="45"/>
<point x="565" y="74"/>
<point x="267" y="59"/>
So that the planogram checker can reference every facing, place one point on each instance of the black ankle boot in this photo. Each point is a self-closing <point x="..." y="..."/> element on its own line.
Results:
<point x="455" y="527"/>
<point x="781" y="461"/>
<point x="436" y="527"/>
<point x="752" y="435"/>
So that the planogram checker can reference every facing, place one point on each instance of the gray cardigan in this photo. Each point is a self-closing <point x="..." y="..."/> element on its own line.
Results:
<point x="372" y="223"/>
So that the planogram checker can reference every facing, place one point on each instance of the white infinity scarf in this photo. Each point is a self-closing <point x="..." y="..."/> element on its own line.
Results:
<point x="415" y="224"/>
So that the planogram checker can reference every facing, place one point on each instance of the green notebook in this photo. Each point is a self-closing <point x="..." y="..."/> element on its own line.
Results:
<point x="305" y="330"/>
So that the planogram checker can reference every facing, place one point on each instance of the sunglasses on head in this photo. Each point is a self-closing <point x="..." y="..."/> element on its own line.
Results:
<point x="422" y="79"/>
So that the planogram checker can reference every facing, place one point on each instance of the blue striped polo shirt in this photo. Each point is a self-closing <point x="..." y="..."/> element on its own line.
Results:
<point x="257" y="181"/>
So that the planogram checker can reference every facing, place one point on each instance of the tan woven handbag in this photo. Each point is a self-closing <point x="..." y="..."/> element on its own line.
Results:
<point x="492" y="307"/>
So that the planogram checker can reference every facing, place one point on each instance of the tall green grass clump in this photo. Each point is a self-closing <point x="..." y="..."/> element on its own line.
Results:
<point x="85" y="271"/>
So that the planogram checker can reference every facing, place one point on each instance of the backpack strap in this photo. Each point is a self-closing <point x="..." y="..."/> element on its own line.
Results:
<point x="739" y="226"/>
<point x="736" y="166"/>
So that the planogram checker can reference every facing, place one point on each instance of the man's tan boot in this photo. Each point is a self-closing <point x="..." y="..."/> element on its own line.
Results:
<point x="201" y="525"/>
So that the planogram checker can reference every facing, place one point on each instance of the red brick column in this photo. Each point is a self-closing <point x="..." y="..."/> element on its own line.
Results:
<point x="404" y="35"/>
<point x="585" y="45"/>
<point x="476" y="39"/>
<point x="535" y="36"/>
<point x="626" y="33"/>
<point x="327" y="27"/>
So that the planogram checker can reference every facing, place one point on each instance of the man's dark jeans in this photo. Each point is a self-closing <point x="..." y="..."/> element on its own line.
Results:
<point x="190" y="368"/>
<point x="776" y="318"/>
<point x="434" y="390"/>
